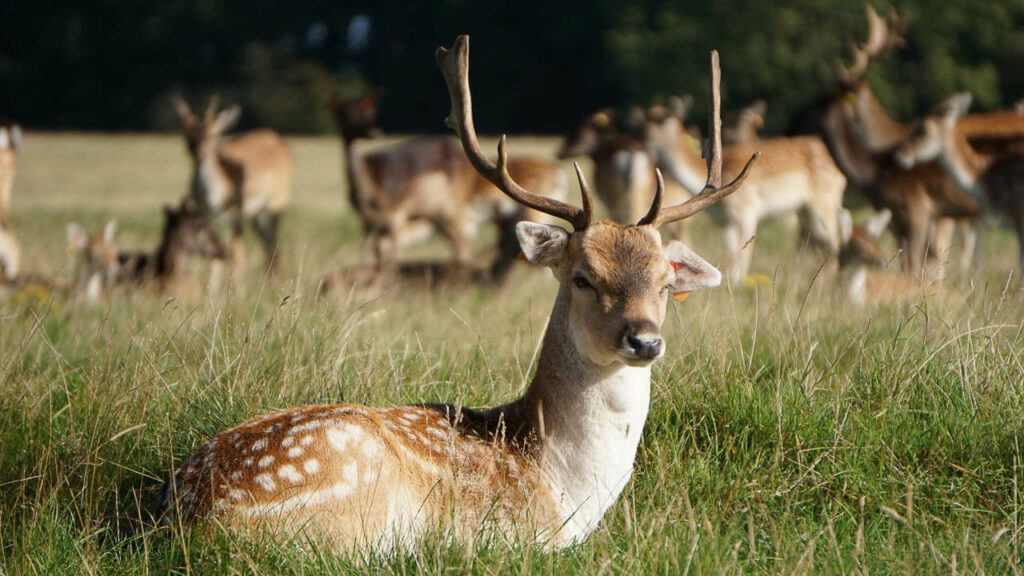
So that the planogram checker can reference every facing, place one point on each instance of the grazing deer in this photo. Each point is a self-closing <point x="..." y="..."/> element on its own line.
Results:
<point x="623" y="167"/>
<point x="997" y="180"/>
<point x="100" y="265"/>
<point x="427" y="183"/>
<point x="249" y="175"/>
<point x="546" y="466"/>
<point x="924" y="203"/>
<point x="796" y="175"/>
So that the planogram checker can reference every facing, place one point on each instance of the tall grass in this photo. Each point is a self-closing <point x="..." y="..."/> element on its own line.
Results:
<point x="789" y="433"/>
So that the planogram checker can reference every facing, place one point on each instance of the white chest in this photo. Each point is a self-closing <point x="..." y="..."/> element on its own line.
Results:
<point x="211" y="187"/>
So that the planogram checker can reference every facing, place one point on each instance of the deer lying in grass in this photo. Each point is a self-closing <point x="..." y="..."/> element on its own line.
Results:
<point x="796" y="175"/>
<point x="248" y="176"/>
<point x="545" y="467"/>
<point x="99" y="265"/>
<point x="426" y="183"/>
<point x="996" y="180"/>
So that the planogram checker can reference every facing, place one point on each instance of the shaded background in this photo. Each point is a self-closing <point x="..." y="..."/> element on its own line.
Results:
<point x="537" y="66"/>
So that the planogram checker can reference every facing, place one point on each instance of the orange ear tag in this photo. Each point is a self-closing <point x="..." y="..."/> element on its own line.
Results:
<point x="680" y="296"/>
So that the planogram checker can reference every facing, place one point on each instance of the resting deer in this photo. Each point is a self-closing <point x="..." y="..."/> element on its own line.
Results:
<point x="925" y="204"/>
<point x="426" y="182"/>
<point x="99" y="265"/>
<point x="248" y="176"/>
<point x="994" y="179"/>
<point x="623" y="167"/>
<point x="796" y="175"/>
<point x="546" y="466"/>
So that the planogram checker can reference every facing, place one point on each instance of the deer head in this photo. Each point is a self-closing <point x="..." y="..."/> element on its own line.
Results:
<point x="860" y="243"/>
<point x="614" y="279"/>
<point x="96" y="263"/>
<point x="356" y="118"/>
<point x="935" y="133"/>
<point x="202" y="133"/>
<point x="190" y="232"/>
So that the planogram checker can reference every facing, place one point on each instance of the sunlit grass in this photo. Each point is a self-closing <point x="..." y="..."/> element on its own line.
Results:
<point x="789" y="433"/>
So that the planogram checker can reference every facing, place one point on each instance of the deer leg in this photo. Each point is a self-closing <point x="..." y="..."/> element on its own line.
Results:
<point x="237" y="245"/>
<point x="266" y="226"/>
<point x="917" y="241"/>
<point x="968" y="245"/>
<point x="942" y="240"/>
<point x="739" y="241"/>
<point x="453" y="228"/>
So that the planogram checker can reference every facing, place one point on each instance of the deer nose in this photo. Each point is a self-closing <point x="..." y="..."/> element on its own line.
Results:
<point x="643" y="340"/>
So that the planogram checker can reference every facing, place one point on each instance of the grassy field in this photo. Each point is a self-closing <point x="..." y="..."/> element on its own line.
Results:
<point x="789" y="433"/>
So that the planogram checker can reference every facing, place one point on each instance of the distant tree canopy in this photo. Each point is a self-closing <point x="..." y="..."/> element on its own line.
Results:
<point x="537" y="66"/>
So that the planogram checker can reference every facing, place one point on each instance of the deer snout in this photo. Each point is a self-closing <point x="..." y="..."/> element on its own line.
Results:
<point x="643" y="341"/>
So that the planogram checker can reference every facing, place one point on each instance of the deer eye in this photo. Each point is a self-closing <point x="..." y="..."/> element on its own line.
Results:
<point x="582" y="283"/>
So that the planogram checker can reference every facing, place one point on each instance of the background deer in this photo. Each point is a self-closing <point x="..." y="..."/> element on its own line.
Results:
<point x="796" y="175"/>
<point x="995" y="179"/>
<point x="547" y="466"/>
<point x="742" y="126"/>
<point x="99" y="265"/>
<point x="248" y="176"/>
<point x="10" y="248"/>
<point x="426" y="183"/>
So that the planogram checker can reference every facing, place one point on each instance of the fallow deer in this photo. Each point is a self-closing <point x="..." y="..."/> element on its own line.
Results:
<point x="10" y="253"/>
<point x="623" y="167"/>
<point x="99" y="265"/>
<point x="796" y="175"/>
<point x="248" y="176"/>
<point x="925" y="204"/>
<point x="10" y="141"/>
<point x="546" y="467"/>
<point x="742" y="126"/>
<point x="996" y="180"/>
<point x="427" y="183"/>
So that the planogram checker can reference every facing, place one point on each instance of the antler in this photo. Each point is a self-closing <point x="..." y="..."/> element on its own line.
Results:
<point x="454" y="64"/>
<point x="883" y="34"/>
<point x="713" y="190"/>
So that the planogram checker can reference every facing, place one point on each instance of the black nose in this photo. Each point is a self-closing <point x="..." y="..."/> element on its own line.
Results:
<point x="643" y="340"/>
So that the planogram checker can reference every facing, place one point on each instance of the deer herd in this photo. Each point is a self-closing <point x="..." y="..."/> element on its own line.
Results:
<point x="547" y="466"/>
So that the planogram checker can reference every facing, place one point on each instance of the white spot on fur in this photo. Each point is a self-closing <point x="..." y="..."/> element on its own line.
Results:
<point x="236" y="475"/>
<point x="289" y="473"/>
<point x="311" y="425"/>
<point x="237" y="495"/>
<point x="306" y="440"/>
<point x="369" y="449"/>
<point x="295" y="452"/>
<point x="350" y="473"/>
<point x="266" y="481"/>
<point x="247" y="462"/>
<point x="266" y="461"/>
<point x="259" y="445"/>
<point x="311" y="466"/>
<point x="340" y="437"/>
<point x="288" y="441"/>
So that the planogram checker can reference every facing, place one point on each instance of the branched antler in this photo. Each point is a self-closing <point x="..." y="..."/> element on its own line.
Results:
<point x="454" y="64"/>
<point x="713" y="190"/>
<point x="883" y="34"/>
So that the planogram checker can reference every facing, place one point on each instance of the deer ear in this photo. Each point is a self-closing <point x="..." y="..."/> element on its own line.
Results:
<point x="542" y="244"/>
<point x="692" y="271"/>
<point x="228" y="118"/>
<point x="877" y="223"/>
<point x="845" y="226"/>
<point x="109" y="231"/>
<point x="77" y="237"/>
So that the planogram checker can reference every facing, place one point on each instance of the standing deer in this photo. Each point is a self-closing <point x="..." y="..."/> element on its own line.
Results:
<point x="426" y="182"/>
<point x="10" y="248"/>
<point x="796" y="175"/>
<point x="997" y="180"/>
<point x="547" y="466"/>
<point x="925" y="205"/>
<point x="249" y="175"/>
<point x="623" y="167"/>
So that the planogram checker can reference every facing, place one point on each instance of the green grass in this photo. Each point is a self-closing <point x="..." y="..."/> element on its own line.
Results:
<point x="788" y="433"/>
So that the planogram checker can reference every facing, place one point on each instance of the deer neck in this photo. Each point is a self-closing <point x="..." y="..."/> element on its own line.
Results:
<point x="858" y="165"/>
<point x="963" y="164"/>
<point x="587" y="420"/>
<point x="211" y="183"/>
<point x="682" y="163"/>
<point x="356" y="173"/>
<point x="880" y="131"/>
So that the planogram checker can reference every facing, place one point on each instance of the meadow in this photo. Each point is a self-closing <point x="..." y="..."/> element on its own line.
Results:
<point x="789" y="432"/>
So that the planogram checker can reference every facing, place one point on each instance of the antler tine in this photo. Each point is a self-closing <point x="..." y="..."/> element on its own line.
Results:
<point x="454" y="64"/>
<point x="861" y="61"/>
<point x="211" y="108"/>
<point x="652" y="214"/>
<point x="713" y="191"/>
<point x="588" y="198"/>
